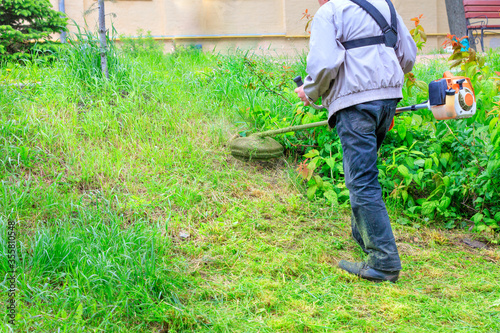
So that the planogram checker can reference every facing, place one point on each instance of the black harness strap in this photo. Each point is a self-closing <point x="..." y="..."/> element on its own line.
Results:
<point x="390" y="32"/>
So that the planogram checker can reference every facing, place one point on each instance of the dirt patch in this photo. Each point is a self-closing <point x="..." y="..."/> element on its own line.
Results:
<point x="474" y="243"/>
<point x="447" y="238"/>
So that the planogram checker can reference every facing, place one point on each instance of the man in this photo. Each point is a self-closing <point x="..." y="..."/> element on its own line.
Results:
<point x="358" y="56"/>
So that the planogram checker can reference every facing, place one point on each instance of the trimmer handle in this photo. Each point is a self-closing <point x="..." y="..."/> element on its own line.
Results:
<point x="298" y="81"/>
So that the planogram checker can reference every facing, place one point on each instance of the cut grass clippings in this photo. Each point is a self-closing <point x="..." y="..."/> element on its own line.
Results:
<point x="133" y="217"/>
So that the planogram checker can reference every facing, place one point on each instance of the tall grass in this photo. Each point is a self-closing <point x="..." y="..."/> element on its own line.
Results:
<point x="89" y="267"/>
<point x="76" y="153"/>
<point x="83" y="58"/>
<point x="133" y="217"/>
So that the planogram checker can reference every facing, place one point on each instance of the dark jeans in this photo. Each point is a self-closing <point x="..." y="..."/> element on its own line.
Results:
<point x="361" y="129"/>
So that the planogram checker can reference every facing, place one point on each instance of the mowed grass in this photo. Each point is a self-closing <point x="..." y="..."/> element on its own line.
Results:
<point x="133" y="216"/>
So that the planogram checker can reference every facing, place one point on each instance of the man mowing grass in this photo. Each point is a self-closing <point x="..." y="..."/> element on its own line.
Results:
<point x="359" y="52"/>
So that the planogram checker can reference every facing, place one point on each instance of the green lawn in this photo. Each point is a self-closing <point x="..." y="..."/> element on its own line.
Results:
<point x="133" y="217"/>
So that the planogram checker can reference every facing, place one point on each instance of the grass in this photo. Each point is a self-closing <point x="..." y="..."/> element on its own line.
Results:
<point x="133" y="217"/>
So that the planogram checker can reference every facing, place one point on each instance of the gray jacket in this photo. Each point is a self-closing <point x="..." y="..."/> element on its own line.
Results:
<point x="345" y="78"/>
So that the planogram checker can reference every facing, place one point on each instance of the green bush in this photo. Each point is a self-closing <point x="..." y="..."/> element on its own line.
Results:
<point x="449" y="171"/>
<point x="444" y="172"/>
<point x="142" y="45"/>
<point x="25" y="29"/>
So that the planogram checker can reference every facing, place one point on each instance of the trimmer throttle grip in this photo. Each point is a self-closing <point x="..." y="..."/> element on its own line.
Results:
<point x="298" y="81"/>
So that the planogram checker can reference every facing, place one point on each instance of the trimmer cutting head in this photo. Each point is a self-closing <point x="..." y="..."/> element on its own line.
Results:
<point x="255" y="148"/>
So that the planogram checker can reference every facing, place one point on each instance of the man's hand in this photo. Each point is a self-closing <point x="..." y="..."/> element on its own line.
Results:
<point x="302" y="95"/>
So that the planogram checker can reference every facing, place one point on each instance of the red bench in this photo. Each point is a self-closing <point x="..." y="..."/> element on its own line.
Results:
<point x="481" y="11"/>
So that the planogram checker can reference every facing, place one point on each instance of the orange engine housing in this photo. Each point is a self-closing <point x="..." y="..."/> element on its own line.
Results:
<point x="451" y="81"/>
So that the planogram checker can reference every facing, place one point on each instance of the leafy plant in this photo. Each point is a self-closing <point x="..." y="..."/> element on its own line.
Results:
<point x="418" y="33"/>
<point x="143" y="44"/>
<point x="25" y="29"/>
<point x="420" y="37"/>
<point x="309" y="17"/>
<point x="470" y="63"/>
<point x="434" y="171"/>
<point x="335" y="192"/>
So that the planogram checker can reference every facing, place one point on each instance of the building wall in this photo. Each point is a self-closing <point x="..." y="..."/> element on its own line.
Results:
<point x="265" y="25"/>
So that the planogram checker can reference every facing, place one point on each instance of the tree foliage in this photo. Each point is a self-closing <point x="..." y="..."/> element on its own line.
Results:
<point x="26" y="27"/>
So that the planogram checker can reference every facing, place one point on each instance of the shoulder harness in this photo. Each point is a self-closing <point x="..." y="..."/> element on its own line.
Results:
<point x="390" y="32"/>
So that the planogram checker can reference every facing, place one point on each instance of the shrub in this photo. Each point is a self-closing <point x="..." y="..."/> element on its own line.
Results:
<point x="435" y="171"/>
<point x="444" y="172"/>
<point x="25" y="28"/>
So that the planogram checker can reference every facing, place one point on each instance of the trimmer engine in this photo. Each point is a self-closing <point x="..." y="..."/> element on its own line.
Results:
<point x="451" y="97"/>
<point x="459" y="102"/>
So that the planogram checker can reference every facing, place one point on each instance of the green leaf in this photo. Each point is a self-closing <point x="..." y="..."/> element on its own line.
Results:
<point x="421" y="85"/>
<point x="401" y="131"/>
<point x="456" y="56"/>
<point x="312" y="153"/>
<point x="344" y="193"/>
<point x="312" y="191"/>
<point x="444" y="203"/>
<point x="447" y="157"/>
<point x="492" y="124"/>
<point x="478" y="217"/>
<point x="79" y="312"/>
<point x="428" y="163"/>
<point x="456" y="63"/>
<point x="435" y="159"/>
<point x="417" y="120"/>
<point x="319" y="181"/>
<point x="481" y="227"/>
<point x="446" y="181"/>
<point x="410" y="162"/>
<point x="438" y="192"/>
<point x="420" y="162"/>
<point x="403" y="221"/>
<point x="407" y="120"/>
<point x="497" y="217"/>
<point x="404" y="194"/>
<point x="409" y="138"/>
<point x="495" y="136"/>
<point x="429" y="207"/>
<point x="490" y="222"/>
<point x="404" y="171"/>
<point x="416" y="152"/>
<point x="330" y="161"/>
<point x="312" y="166"/>
<point x="63" y="314"/>
<point x="417" y="180"/>
<point x="450" y="224"/>
<point x="331" y="196"/>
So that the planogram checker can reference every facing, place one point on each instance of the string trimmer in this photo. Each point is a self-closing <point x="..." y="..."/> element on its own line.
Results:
<point x="451" y="97"/>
